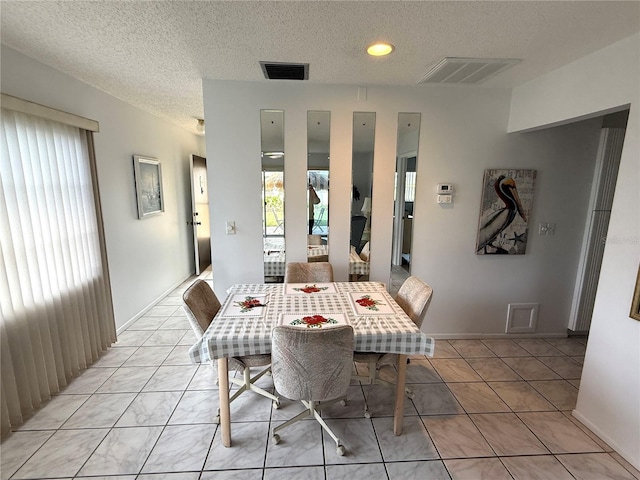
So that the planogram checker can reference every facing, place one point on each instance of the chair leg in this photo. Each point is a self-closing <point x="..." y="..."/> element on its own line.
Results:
<point x="250" y="383"/>
<point x="247" y="383"/>
<point x="312" y="410"/>
<point x="302" y="415"/>
<point x="266" y="371"/>
<point x="264" y="393"/>
<point x="373" y="379"/>
<point x="240" y="391"/>
<point x="340" y="450"/>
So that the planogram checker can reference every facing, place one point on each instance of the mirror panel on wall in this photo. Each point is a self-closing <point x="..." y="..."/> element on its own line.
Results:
<point x="364" y="124"/>
<point x="404" y="197"/>
<point x="272" y="161"/>
<point x="318" y="142"/>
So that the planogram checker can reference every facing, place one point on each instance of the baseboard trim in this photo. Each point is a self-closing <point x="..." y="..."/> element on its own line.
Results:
<point x="607" y="439"/>
<point x="480" y="336"/>
<point x="151" y="305"/>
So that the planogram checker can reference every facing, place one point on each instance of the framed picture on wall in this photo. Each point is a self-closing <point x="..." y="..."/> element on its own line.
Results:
<point x="635" y="304"/>
<point x="148" y="180"/>
<point x="507" y="197"/>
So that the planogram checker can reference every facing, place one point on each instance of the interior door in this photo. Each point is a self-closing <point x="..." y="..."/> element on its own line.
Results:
<point x="200" y="209"/>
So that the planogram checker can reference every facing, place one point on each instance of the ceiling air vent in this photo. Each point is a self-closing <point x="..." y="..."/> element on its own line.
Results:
<point x="285" y="71"/>
<point x="466" y="70"/>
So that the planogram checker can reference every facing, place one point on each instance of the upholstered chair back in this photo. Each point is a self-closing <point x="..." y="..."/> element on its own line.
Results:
<point x="302" y="272"/>
<point x="413" y="297"/>
<point x="312" y="364"/>
<point x="200" y="304"/>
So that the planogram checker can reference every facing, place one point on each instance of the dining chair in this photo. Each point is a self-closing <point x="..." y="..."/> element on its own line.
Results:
<point x="302" y="272"/>
<point x="201" y="304"/>
<point x="413" y="297"/>
<point x="314" y="239"/>
<point x="316" y="224"/>
<point x="279" y="222"/>
<point x="365" y="253"/>
<point x="312" y="365"/>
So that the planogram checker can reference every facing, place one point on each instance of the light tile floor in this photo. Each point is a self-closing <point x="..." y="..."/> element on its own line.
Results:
<point x="491" y="409"/>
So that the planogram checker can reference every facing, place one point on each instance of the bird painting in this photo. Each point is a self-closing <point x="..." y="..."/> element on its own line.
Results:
<point x="492" y="238"/>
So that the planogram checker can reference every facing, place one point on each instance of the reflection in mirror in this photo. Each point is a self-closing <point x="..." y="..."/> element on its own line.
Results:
<point x="361" y="178"/>
<point x="404" y="197"/>
<point x="272" y="154"/>
<point x="318" y="128"/>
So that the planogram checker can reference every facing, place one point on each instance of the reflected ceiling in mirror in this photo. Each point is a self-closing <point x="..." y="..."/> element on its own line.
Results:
<point x="272" y="162"/>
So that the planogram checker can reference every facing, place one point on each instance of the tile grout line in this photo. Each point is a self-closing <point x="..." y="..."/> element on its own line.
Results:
<point x="384" y="463"/>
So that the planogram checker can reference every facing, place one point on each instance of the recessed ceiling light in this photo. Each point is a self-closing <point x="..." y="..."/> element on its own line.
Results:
<point x="380" y="49"/>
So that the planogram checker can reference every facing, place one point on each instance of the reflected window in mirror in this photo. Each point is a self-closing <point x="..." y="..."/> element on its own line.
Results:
<point x="364" y="124"/>
<point x="318" y="144"/>
<point x="404" y="197"/>
<point x="272" y="161"/>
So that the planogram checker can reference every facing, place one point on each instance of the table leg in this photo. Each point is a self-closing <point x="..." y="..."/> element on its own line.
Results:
<point x="398" y="413"/>
<point x="223" y="392"/>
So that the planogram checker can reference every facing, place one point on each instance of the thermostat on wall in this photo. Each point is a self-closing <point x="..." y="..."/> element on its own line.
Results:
<point x="445" y="189"/>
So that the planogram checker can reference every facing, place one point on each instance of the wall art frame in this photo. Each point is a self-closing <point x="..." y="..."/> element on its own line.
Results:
<point x="148" y="182"/>
<point x="507" y="198"/>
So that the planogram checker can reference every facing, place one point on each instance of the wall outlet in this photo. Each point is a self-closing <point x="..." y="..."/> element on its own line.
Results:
<point x="231" y="228"/>
<point x="546" y="228"/>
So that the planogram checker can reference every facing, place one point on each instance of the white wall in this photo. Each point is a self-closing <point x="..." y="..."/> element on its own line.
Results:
<point x="609" y="397"/>
<point x="146" y="257"/>
<point x="463" y="132"/>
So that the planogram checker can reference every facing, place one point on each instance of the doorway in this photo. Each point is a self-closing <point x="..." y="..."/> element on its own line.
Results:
<point x="200" y="213"/>
<point x="595" y="234"/>
<point x="405" y="191"/>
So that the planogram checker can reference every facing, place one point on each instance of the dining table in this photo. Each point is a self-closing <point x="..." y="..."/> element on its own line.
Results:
<point x="379" y="324"/>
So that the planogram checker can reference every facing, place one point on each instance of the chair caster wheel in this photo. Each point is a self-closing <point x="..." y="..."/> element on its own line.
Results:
<point x="344" y="402"/>
<point x="216" y="420"/>
<point x="367" y="414"/>
<point x="275" y="439"/>
<point x="275" y="404"/>
<point x="341" y="450"/>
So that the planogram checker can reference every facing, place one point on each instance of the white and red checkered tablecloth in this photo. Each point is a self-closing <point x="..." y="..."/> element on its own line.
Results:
<point x="231" y="336"/>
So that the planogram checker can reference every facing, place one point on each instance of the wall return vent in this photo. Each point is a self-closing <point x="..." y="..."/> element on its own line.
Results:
<point x="285" y="71"/>
<point x="470" y="71"/>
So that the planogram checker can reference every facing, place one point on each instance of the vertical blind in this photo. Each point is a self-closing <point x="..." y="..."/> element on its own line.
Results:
<point x="56" y="315"/>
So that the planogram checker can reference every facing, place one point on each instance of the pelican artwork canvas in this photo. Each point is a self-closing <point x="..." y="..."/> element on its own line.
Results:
<point x="507" y="196"/>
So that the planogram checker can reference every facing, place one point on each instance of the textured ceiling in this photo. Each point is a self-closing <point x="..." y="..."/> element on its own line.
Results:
<point x="154" y="54"/>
